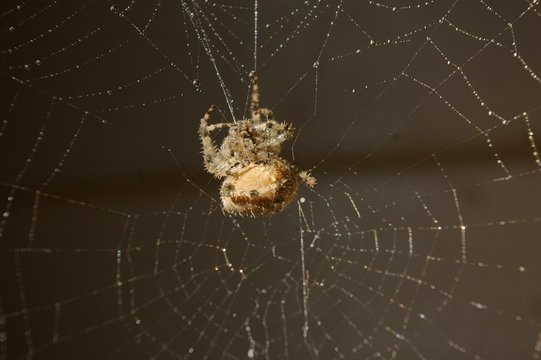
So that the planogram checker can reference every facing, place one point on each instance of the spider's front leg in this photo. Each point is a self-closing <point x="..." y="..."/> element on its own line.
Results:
<point x="211" y="155"/>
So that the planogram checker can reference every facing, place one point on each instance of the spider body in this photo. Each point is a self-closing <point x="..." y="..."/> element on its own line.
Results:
<point x="257" y="181"/>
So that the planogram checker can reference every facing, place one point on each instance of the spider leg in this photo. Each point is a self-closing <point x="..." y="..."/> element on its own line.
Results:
<point x="209" y="148"/>
<point x="211" y="128"/>
<point x="206" y="117"/>
<point x="267" y="112"/>
<point x="254" y="102"/>
<point x="280" y="132"/>
<point x="307" y="179"/>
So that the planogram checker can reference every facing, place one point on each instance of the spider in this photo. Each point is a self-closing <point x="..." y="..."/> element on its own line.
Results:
<point x="257" y="181"/>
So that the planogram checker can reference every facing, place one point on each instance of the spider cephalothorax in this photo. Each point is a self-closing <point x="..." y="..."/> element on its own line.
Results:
<point x="257" y="181"/>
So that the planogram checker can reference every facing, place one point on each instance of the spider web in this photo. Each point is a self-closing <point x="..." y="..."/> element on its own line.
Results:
<point x="419" y="119"/>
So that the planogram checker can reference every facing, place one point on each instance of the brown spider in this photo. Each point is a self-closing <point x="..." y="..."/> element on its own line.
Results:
<point x="257" y="180"/>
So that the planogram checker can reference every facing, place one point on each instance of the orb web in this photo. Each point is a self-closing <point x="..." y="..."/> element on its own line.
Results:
<point x="420" y="120"/>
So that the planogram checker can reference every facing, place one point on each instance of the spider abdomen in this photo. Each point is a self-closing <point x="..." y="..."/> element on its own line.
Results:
<point x="260" y="188"/>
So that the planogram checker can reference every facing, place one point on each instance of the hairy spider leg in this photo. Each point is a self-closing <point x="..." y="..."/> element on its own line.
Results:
<point x="267" y="112"/>
<point x="280" y="132"/>
<point x="254" y="102"/>
<point x="210" y="152"/>
<point x="217" y="162"/>
<point x="256" y="112"/>
<point x="307" y="179"/>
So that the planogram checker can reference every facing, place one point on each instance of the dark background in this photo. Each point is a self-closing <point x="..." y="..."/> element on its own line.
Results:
<point x="421" y="239"/>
